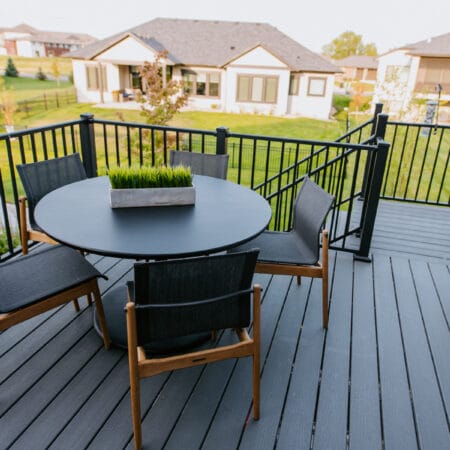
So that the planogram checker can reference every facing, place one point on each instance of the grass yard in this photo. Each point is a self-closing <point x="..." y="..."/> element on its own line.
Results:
<point x="28" y="88"/>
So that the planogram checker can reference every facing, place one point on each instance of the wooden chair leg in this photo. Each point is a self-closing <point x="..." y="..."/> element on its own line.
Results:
<point x="89" y="299"/>
<point x="299" y="279"/>
<point x="325" y="279"/>
<point x="213" y="335"/>
<point x="101" y="315"/>
<point x="134" y="376"/>
<point x="257" y="349"/>
<point x="76" y="305"/>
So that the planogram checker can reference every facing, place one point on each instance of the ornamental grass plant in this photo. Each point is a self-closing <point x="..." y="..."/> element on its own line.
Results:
<point x="149" y="177"/>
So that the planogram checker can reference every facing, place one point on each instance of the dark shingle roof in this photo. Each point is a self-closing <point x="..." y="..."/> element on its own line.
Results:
<point x="215" y="43"/>
<point x="369" y="62"/>
<point x="438" y="46"/>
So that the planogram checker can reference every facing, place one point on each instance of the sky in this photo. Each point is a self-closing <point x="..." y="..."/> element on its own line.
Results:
<point x="386" y="23"/>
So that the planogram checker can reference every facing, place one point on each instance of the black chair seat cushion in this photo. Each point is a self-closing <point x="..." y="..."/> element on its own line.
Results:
<point x="39" y="275"/>
<point x="281" y="248"/>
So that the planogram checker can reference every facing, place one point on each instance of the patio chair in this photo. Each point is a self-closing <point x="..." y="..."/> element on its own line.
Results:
<point x="297" y="252"/>
<point x="174" y="298"/>
<point x="44" y="279"/>
<point x="201" y="163"/>
<point x="38" y="179"/>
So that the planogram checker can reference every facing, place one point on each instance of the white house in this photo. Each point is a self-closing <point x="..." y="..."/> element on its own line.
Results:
<point x="419" y="71"/>
<point x="227" y="66"/>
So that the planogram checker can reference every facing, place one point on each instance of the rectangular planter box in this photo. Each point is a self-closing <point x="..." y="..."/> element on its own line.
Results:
<point x="130" y="198"/>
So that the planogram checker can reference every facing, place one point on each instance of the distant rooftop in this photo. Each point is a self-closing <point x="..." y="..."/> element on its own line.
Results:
<point x="59" y="37"/>
<point x="367" y="62"/>
<point x="438" y="46"/>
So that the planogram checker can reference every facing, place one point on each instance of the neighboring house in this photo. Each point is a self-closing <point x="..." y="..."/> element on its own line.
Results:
<point x="416" y="71"/>
<point x="24" y="40"/>
<point x="227" y="66"/>
<point x="357" y="68"/>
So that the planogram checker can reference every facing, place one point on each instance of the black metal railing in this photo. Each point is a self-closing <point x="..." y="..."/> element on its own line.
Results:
<point x="273" y="166"/>
<point x="418" y="163"/>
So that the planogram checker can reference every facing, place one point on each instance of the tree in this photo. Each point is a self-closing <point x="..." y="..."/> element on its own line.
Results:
<point x="8" y="105"/>
<point x="55" y="71"/>
<point x="40" y="75"/>
<point x="11" y="70"/>
<point x="347" y="44"/>
<point x="163" y="98"/>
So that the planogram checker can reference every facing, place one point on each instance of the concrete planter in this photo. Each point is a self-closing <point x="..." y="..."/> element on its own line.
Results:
<point x="130" y="198"/>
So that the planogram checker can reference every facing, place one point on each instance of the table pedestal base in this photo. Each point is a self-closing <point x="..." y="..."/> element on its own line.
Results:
<point x="114" y="303"/>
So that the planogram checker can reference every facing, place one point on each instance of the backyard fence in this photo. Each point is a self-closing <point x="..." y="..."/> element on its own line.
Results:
<point x="48" y="100"/>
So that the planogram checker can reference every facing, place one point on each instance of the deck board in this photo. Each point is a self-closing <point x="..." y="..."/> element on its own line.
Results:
<point x="378" y="378"/>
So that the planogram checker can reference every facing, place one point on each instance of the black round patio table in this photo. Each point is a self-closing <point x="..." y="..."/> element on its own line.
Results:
<point x="225" y="214"/>
<point x="79" y="215"/>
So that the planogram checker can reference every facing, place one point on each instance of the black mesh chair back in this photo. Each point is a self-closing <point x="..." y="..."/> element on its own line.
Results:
<point x="180" y="297"/>
<point x="40" y="178"/>
<point x="201" y="163"/>
<point x="310" y="211"/>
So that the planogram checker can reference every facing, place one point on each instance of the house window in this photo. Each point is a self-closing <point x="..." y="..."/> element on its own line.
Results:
<point x="317" y="86"/>
<point x="93" y="80"/>
<point x="294" y="84"/>
<point x="433" y="71"/>
<point x="204" y="84"/>
<point x="257" y="89"/>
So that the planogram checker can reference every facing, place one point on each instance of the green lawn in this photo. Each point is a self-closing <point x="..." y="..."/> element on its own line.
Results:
<point x="28" y="88"/>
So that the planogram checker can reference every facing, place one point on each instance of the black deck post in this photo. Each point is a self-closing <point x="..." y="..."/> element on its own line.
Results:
<point x="221" y="143"/>
<point x="369" y="162"/>
<point x="87" y="138"/>
<point x="375" y="183"/>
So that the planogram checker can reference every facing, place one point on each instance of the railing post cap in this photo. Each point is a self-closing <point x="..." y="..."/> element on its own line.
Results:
<point x="87" y="116"/>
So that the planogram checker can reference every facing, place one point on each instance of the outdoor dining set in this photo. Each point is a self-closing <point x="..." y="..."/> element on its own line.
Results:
<point x="193" y="265"/>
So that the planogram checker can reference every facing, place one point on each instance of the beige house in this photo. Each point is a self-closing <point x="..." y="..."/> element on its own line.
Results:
<point x="227" y="66"/>
<point x="357" y="68"/>
<point x="419" y="71"/>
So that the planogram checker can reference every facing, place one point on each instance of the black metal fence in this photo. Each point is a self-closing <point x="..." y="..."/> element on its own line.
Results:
<point x="352" y="168"/>
<point x="418" y="163"/>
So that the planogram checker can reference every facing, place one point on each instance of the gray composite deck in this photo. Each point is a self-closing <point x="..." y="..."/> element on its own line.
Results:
<point x="378" y="378"/>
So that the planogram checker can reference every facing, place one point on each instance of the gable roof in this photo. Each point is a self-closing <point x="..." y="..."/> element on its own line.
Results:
<point x="215" y="43"/>
<point x="438" y="46"/>
<point x="367" y="62"/>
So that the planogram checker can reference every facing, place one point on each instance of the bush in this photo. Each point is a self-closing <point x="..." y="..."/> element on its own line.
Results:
<point x="11" y="70"/>
<point x="340" y="102"/>
<point x="41" y="75"/>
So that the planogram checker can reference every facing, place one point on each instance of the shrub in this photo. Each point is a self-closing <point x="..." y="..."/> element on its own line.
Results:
<point x="11" y="70"/>
<point x="340" y="102"/>
<point x="149" y="177"/>
<point x="41" y="75"/>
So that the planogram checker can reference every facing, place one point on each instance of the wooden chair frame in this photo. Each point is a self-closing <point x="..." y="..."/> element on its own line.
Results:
<point x="319" y="270"/>
<point x="91" y="286"/>
<point x="142" y="367"/>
